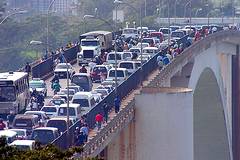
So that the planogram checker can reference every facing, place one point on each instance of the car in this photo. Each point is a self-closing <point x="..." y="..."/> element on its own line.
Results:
<point x="122" y="75"/>
<point x="75" y="87"/>
<point x="150" y="50"/>
<point x="178" y="34"/>
<point x="83" y="80"/>
<point x="45" y="135"/>
<point x="174" y="28"/>
<point x="128" y="55"/>
<point x="85" y="100"/>
<point x="63" y="96"/>
<point x="23" y="144"/>
<point x="143" y="45"/>
<point x="9" y="135"/>
<point x="96" y="72"/>
<point x="61" y="70"/>
<point x="131" y="66"/>
<point x="165" y="31"/>
<point x="108" y="87"/>
<point x="111" y="57"/>
<point x="150" y="41"/>
<point x="157" y="35"/>
<point x="42" y="116"/>
<point x="144" y="57"/>
<point x="57" y="100"/>
<point x="39" y="85"/>
<point x="70" y="91"/>
<point x="102" y="91"/>
<point x="21" y="133"/>
<point x="60" y="123"/>
<point x="135" y="50"/>
<point x="28" y="122"/>
<point x="74" y="110"/>
<point x="97" y="96"/>
<point x="51" y="111"/>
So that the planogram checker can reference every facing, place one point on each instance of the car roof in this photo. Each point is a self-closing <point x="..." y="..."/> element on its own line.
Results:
<point x="81" y="74"/>
<point x="119" y="69"/>
<point x="22" y="142"/>
<point x="155" y="48"/>
<point x="63" y="63"/>
<point x="46" y="128"/>
<point x="60" y="118"/>
<point x="72" y="105"/>
<point x="35" y="112"/>
<point x="18" y="129"/>
<point x="7" y="133"/>
<point x="24" y="116"/>
<point x="84" y="93"/>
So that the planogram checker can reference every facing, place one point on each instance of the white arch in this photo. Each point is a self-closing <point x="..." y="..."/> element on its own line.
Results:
<point x="210" y="59"/>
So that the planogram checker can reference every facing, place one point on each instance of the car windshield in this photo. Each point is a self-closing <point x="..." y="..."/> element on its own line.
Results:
<point x="7" y="94"/>
<point x="126" y="65"/>
<point x="49" y="109"/>
<point x="23" y="123"/>
<point x="34" y="85"/>
<point x="43" y="136"/>
<point x="165" y="31"/>
<point x="119" y="73"/>
<point x="22" y="147"/>
<point x="89" y="43"/>
<point x="78" y="80"/>
<point x="148" y="51"/>
<point x="147" y="40"/>
<point x="60" y="124"/>
<point x="101" y="91"/>
<point x="63" y="111"/>
<point x="112" y="56"/>
<point x="82" y="102"/>
<point x="62" y="66"/>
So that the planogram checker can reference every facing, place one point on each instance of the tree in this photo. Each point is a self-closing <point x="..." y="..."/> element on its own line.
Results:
<point x="2" y="7"/>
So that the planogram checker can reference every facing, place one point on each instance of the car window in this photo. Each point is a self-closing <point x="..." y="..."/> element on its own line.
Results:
<point x="92" y="101"/>
<point x="126" y="65"/>
<point x="43" y="136"/>
<point x="23" y="123"/>
<point x="112" y="56"/>
<point x="49" y="109"/>
<point x="99" y="69"/>
<point x="119" y="73"/>
<point x="63" y="111"/>
<point x="79" y="80"/>
<point x="61" y="125"/>
<point x="82" y="102"/>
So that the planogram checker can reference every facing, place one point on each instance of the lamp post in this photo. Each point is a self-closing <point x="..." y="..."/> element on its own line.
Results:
<point x="175" y="10"/>
<point x="33" y="42"/>
<point x="185" y="8"/>
<point x="14" y="13"/>
<point x="49" y="8"/>
<point x="139" y="12"/>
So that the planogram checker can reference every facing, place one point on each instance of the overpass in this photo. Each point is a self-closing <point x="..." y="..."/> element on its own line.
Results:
<point x="208" y="76"/>
<point x="206" y="71"/>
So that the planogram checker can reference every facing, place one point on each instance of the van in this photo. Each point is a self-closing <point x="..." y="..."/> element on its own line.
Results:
<point x="45" y="135"/>
<point x="74" y="111"/>
<point x="122" y="75"/>
<point x="111" y="57"/>
<point x="60" y="123"/>
<point x="28" y="122"/>
<point x="23" y="145"/>
<point x="9" y="135"/>
<point x="150" y="50"/>
<point x="131" y="66"/>
<point x="85" y="99"/>
<point x="83" y="80"/>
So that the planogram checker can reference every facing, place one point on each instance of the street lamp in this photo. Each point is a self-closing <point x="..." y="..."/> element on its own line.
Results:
<point x="49" y="8"/>
<point x="139" y="12"/>
<point x="14" y="13"/>
<point x="34" y="42"/>
<point x="185" y="8"/>
<point x="175" y="10"/>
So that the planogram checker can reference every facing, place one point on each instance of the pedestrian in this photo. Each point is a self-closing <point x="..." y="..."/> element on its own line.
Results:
<point x="85" y="131"/>
<point x="56" y="87"/>
<point x="76" y="136"/>
<point x="2" y="124"/>
<point x="99" y="120"/>
<point x="117" y="104"/>
<point x="28" y="68"/>
<point x="105" y="111"/>
<point x="81" y="139"/>
<point x="83" y="69"/>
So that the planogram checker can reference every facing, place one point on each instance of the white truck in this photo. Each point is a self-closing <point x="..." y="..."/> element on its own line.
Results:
<point x="92" y="44"/>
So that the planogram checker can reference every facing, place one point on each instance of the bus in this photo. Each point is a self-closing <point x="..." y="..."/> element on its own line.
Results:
<point x="14" y="92"/>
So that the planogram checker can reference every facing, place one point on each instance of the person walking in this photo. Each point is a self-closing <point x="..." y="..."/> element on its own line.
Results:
<point x="56" y="87"/>
<point x="117" y="104"/>
<point x="28" y="68"/>
<point x="105" y="111"/>
<point x="2" y="124"/>
<point x="85" y="131"/>
<point x="99" y="120"/>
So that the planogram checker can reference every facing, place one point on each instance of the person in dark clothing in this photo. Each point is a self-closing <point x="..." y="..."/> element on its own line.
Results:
<point x="34" y="93"/>
<point x="40" y="99"/>
<point x="81" y="139"/>
<point x="55" y="78"/>
<point x="83" y="69"/>
<point x="117" y="104"/>
<point x="28" y="68"/>
<point x="2" y="124"/>
<point x="105" y="111"/>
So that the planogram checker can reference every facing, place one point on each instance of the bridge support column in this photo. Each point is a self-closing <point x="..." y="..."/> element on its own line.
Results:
<point x="236" y="105"/>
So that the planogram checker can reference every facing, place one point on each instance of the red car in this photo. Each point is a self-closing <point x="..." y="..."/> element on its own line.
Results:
<point x="99" y="72"/>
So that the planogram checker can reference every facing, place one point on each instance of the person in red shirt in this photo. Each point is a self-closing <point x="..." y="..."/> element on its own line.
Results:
<point x="2" y="124"/>
<point x="99" y="120"/>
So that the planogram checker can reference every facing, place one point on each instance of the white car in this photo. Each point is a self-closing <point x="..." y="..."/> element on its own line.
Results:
<point x="21" y="133"/>
<point x="122" y="75"/>
<point x="62" y="68"/>
<point x="39" y="85"/>
<point x="42" y="116"/>
<point x="23" y="144"/>
<point x="51" y="111"/>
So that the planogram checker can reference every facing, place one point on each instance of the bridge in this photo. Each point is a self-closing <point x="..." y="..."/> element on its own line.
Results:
<point x="188" y="110"/>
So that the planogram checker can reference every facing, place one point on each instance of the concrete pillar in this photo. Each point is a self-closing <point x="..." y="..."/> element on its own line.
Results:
<point x="164" y="124"/>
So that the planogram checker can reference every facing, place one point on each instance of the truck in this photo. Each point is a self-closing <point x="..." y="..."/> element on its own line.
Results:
<point x="92" y="44"/>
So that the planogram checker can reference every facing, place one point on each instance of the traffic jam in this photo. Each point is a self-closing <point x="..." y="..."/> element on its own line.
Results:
<point x="104" y="61"/>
